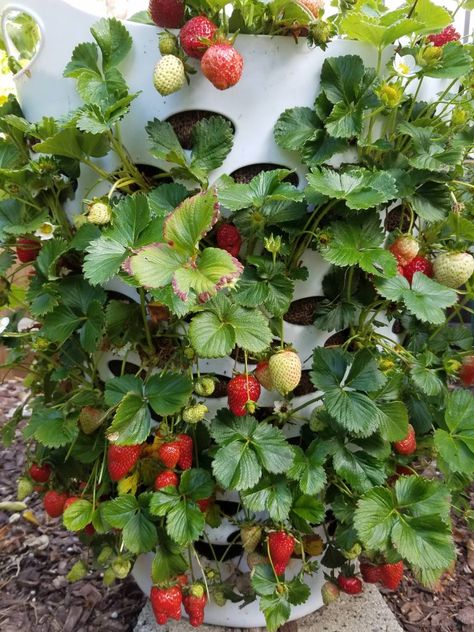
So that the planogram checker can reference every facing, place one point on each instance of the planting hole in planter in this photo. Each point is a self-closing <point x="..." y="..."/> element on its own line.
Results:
<point x="301" y="311"/>
<point x="243" y="175"/>
<point x="222" y="552"/>
<point x="152" y="174"/>
<point x="118" y="368"/>
<point x="183" y="124"/>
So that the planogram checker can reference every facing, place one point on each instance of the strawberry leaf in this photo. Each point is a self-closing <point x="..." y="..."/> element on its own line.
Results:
<point x="455" y="441"/>
<point x="78" y="515"/>
<point x="167" y="393"/>
<point x="191" y="221"/>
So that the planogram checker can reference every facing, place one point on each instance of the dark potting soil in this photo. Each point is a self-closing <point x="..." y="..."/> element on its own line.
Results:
<point x="302" y="311"/>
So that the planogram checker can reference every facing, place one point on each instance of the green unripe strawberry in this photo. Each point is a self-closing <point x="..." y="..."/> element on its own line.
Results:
<point x="78" y="571"/>
<point x="109" y="577"/>
<point x="169" y="75"/>
<point x="194" y="414"/>
<point x="285" y="371"/>
<point x="330" y="593"/>
<point x="168" y="43"/>
<point x="100" y="213"/>
<point x="219" y="598"/>
<point x="453" y="269"/>
<point x="24" y="488"/>
<point x="354" y="552"/>
<point x="105" y="555"/>
<point x="121" y="567"/>
<point x="204" y="386"/>
<point x="90" y="419"/>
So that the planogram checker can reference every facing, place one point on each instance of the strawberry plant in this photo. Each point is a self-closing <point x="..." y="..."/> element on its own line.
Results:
<point x="139" y="299"/>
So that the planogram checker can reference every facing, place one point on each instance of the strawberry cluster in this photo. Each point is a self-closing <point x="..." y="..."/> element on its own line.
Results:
<point x="199" y="38"/>
<point x="388" y="574"/>
<point x="449" y="34"/>
<point x="405" y="249"/>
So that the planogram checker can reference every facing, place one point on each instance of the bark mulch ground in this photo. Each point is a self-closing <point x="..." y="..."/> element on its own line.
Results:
<point x="35" y="595"/>
<point x="35" y="558"/>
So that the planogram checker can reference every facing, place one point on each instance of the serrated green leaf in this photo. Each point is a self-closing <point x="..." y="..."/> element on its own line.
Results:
<point x="364" y="374"/>
<point x="212" y="141"/>
<point x="272" y="495"/>
<point x="139" y="534"/>
<point x="185" y="522"/>
<point x="358" y="468"/>
<point x="272" y="449"/>
<point x="84" y="57"/>
<point x="117" y="387"/>
<point x="132" y="421"/>
<point x="51" y="429"/>
<point x="374" y="518"/>
<point x="295" y="127"/>
<point x="196" y="484"/>
<point x="329" y="367"/>
<point x="60" y="324"/>
<point x="168" y="561"/>
<point x="426" y="379"/>
<point x="113" y="39"/>
<point x="103" y="260"/>
<point x="91" y="331"/>
<point x="210" y="337"/>
<point x="78" y="515"/>
<point x="360" y="188"/>
<point x="424" y="541"/>
<point x="309" y="509"/>
<point x="236" y="466"/>
<point x="456" y="444"/>
<point x="263" y="579"/>
<point x="355" y="411"/>
<point x="393" y="420"/>
<point x="164" y="142"/>
<point x="154" y="266"/>
<point x="276" y="609"/>
<point x="423" y="497"/>
<point x="168" y="392"/>
<point x="119" y="511"/>
<point x="427" y="299"/>
<point x="356" y="243"/>
<point x="307" y="468"/>
<point x="191" y="221"/>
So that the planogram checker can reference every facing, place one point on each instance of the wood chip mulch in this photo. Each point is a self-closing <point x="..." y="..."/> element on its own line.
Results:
<point x="35" y="558"/>
<point x="35" y="595"/>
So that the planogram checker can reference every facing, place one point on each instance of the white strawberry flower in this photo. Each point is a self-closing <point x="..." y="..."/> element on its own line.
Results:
<point x="4" y="322"/>
<point x="405" y="65"/>
<point x="45" y="231"/>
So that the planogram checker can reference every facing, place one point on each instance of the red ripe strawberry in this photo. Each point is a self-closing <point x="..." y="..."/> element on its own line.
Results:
<point x="166" y="479"/>
<point x="405" y="249"/>
<point x="185" y="451"/>
<point x="193" y="32"/>
<point x="168" y="453"/>
<point x="121" y="459"/>
<point x="203" y="504"/>
<point x="166" y="603"/>
<point x="391" y="575"/>
<point x="418" y="264"/>
<point x="70" y="501"/>
<point x="40" y="473"/>
<point x="281" y="546"/>
<point x="27" y="249"/>
<point x="407" y="445"/>
<point x="370" y="572"/>
<point x="349" y="585"/>
<point x="449" y="34"/>
<point x="194" y="605"/>
<point x="53" y="503"/>
<point x="402" y="470"/>
<point x="262" y="373"/>
<point x="466" y="372"/>
<point x="222" y="65"/>
<point x="89" y="529"/>
<point x="241" y="390"/>
<point x="228" y="238"/>
<point x="167" y="13"/>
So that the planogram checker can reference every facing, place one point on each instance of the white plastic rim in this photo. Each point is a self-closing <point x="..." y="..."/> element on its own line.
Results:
<point x="231" y="614"/>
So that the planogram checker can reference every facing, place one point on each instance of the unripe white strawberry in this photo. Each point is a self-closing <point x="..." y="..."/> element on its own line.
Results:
<point x="285" y="371"/>
<point x="453" y="269"/>
<point x="169" y="75"/>
<point x="405" y="249"/>
<point x="194" y="414"/>
<point x="205" y="386"/>
<point x="99" y="213"/>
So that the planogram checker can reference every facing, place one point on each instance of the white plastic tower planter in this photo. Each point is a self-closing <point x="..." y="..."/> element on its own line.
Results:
<point x="278" y="74"/>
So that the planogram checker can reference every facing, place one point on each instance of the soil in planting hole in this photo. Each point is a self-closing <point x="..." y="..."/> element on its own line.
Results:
<point x="302" y="310"/>
<point x="397" y="218"/>
<point x="337" y="339"/>
<point x="220" y="387"/>
<point x="243" y="175"/>
<point x="152" y="174"/>
<point x="183" y="124"/>
<point x="118" y="368"/>
<point x="305" y="387"/>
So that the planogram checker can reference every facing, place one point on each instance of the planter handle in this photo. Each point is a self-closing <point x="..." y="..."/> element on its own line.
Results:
<point x="53" y="17"/>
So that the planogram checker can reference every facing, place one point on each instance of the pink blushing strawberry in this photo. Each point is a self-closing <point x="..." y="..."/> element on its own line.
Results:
<point x="418" y="264"/>
<point x="222" y="64"/>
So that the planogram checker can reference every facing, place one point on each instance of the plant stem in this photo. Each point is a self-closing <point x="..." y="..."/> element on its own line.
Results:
<point x="145" y="319"/>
